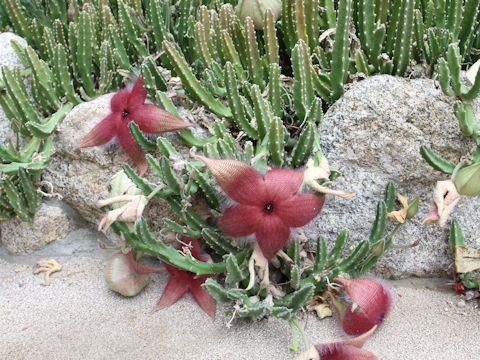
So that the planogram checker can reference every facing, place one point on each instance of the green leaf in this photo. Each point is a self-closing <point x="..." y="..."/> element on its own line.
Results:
<point x="44" y="129"/>
<point x="456" y="235"/>
<point x="235" y="272"/>
<point x="299" y="298"/>
<point x="378" y="228"/>
<point x="320" y="256"/>
<point x="437" y="162"/>
<point x="339" y="246"/>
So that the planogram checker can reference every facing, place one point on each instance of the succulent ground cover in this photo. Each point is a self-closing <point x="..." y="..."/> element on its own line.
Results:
<point x="265" y="72"/>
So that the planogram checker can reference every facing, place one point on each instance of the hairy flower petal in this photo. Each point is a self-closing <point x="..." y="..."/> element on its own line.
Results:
<point x="176" y="287"/>
<point x="283" y="183"/>
<point x="140" y="268"/>
<point x="202" y="297"/>
<point x="300" y="209"/>
<point x="102" y="133"/>
<point x="272" y="235"/>
<point x="128" y="105"/>
<point x="137" y="95"/>
<point x="372" y="303"/>
<point x="240" y="220"/>
<point x="152" y="119"/>
<point x="119" y="101"/>
<point x="240" y="181"/>
<point x="339" y="351"/>
<point x="131" y="147"/>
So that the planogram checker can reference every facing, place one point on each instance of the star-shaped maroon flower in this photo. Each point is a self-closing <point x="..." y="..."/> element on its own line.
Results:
<point x="129" y="105"/>
<point x="182" y="281"/>
<point x="267" y="206"/>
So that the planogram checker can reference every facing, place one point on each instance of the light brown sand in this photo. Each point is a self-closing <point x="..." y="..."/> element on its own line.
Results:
<point x="78" y="317"/>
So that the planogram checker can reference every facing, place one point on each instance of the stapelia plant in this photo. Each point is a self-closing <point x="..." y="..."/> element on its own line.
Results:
<point x="126" y="106"/>
<point x="297" y="274"/>
<point x="182" y="281"/>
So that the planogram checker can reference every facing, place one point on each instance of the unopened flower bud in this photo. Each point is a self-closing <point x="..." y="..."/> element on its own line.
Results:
<point x="121" y="278"/>
<point x="467" y="180"/>
<point x="412" y="207"/>
<point x="255" y="9"/>
<point x="368" y="305"/>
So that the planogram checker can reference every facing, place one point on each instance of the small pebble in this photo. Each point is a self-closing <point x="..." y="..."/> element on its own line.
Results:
<point x="461" y="303"/>
<point x="446" y="309"/>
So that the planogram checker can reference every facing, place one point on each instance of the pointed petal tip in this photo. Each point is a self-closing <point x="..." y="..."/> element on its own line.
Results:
<point x="240" y="181"/>
<point x="206" y="302"/>
<point x="154" y="120"/>
<point x="142" y="168"/>
<point x="175" y="289"/>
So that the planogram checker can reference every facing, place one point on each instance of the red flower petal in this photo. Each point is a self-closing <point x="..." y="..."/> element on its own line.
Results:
<point x="102" y="133"/>
<point x="240" y="181"/>
<point x="240" y="220"/>
<point x="119" y="101"/>
<point x="339" y="351"/>
<point x="133" y="150"/>
<point x="202" y="297"/>
<point x="282" y="183"/>
<point x="299" y="209"/>
<point x="139" y="268"/>
<point x="152" y="119"/>
<point x="272" y="235"/>
<point x="172" y="270"/>
<point x="138" y="95"/>
<point x="373" y="302"/>
<point x="176" y="287"/>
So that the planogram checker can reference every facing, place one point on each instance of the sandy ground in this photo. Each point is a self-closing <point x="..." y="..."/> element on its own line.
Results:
<point x="78" y="317"/>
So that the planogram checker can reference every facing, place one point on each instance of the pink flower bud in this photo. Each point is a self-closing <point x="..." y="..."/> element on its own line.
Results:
<point x="367" y="305"/>
<point x="349" y="349"/>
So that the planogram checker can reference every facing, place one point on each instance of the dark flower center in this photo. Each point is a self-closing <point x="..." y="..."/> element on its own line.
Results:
<point x="268" y="207"/>
<point x="125" y="113"/>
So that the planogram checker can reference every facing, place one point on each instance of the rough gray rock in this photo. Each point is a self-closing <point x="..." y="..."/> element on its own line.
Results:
<point x="80" y="240"/>
<point x="9" y="58"/>
<point x="51" y="224"/>
<point x="82" y="175"/>
<point x="373" y="135"/>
